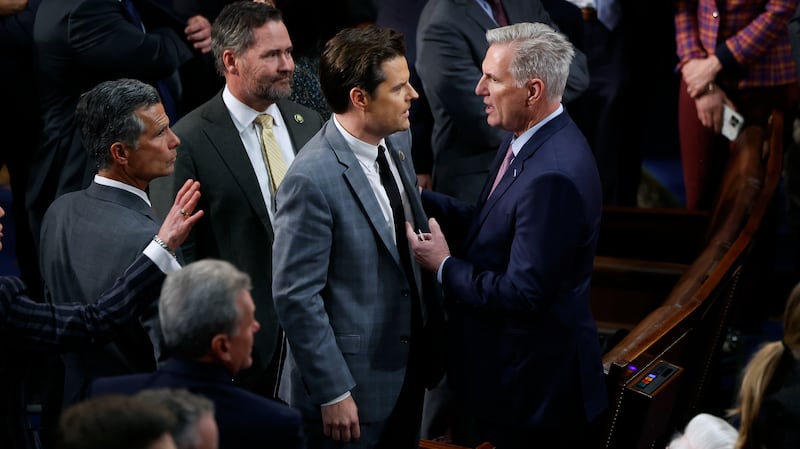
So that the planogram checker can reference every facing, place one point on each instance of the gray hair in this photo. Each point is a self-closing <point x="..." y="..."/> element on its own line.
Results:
<point x="233" y="28"/>
<point x="188" y="409"/>
<point x="539" y="52"/>
<point x="706" y="431"/>
<point x="199" y="302"/>
<point x="107" y="114"/>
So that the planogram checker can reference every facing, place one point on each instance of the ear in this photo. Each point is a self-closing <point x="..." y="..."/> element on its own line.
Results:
<point x="221" y="348"/>
<point x="119" y="153"/>
<point x="535" y="90"/>
<point x="359" y="98"/>
<point x="229" y="61"/>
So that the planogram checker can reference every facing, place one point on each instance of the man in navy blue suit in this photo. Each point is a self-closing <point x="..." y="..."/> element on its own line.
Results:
<point x="208" y="321"/>
<point x="524" y="351"/>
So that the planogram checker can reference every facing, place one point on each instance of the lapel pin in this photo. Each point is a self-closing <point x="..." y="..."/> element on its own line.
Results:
<point x="299" y="118"/>
<point x="401" y="155"/>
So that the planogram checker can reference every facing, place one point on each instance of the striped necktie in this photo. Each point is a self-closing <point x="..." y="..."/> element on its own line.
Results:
<point x="272" y="152"/>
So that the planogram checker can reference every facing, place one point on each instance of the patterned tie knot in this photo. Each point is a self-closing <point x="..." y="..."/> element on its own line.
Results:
<point x="265" y="120"/>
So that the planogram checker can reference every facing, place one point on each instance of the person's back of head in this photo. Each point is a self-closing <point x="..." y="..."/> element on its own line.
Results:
<point x="195" y="426"/>
<point x="118" y="422"/>
<point x="706" y="431"/>
<point x="773" y="358"/>
<point x="204" y="302"/>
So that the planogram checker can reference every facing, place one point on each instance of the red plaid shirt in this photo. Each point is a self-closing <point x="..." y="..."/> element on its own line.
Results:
<point x="755" y="32"/>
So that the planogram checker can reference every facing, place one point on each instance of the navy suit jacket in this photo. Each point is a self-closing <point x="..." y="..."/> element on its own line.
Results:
<point x="46" y="326"/>
<point x="245" y="420"/>
<point x="524" y="346"/>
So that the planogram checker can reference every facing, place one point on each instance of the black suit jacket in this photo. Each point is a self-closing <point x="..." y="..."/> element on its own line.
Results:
<point x="80" y="43"/>
<point x="237" y="227"/>
<point x="245" y="420"/>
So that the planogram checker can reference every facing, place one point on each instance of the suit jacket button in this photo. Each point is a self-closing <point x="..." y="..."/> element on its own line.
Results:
<point x="404" y="339"/>
<point x="404" y="292"/>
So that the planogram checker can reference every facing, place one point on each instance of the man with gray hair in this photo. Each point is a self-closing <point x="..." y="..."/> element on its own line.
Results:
<point x="240" y="160"/>
<point x="208" y="321"/>
<point x="90" y="236"/>
<point x="195" y="426"/>
<point x="525" y="354"/>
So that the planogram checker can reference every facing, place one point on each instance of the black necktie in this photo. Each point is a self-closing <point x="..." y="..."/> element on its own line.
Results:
<point x="398" y="214"/>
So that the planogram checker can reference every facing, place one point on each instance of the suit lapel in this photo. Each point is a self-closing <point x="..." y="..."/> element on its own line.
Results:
<point x="362" y="190"/>
<point x="476" y="13"/>
<point x="402" y="160"/>
<point x="222" y="134"/>
<point x="297" y="124"/>
<point x="514" y="171"/>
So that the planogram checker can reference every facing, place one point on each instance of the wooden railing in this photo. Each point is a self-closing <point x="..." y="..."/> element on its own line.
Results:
<point x="665" y="285"/>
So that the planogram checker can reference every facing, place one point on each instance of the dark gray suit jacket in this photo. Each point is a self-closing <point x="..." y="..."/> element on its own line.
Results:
<point x="236" y="227"/>
<point x="80" y="43"/>
<point x="339" y="289"/>
<point x="451" y="44"/>
<point x="88" y="238"/>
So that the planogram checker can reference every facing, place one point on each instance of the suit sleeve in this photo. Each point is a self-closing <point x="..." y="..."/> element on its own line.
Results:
<point x="104" y="39"/>
<point x="47" y="326"/>
<point x="301" y="255"/>
<point x="541" y="259"/>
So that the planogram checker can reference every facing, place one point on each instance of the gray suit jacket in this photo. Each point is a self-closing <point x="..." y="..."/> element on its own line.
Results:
<point x="88" y="238"/>
<point x="338" y="285"/>
<point x="236" y="227"/>
<point x="451" y="44"/>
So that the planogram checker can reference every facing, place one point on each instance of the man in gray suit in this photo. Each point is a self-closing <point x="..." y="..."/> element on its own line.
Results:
<point x="358" y="314"/>
<point x="222" y="147"/>
<point x="92" y="235"/>
<point x="451" y="44"/>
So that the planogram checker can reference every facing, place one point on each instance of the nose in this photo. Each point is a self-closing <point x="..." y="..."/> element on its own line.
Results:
<point x="174" y="140"/>
<point x="480" y="88"/>
<point x="286" y="63"/>
<point x="414" y="93"/>
<point x="256" y="326"/>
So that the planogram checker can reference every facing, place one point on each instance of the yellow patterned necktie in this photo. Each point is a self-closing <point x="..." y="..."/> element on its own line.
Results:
<point x="272" y="152"/>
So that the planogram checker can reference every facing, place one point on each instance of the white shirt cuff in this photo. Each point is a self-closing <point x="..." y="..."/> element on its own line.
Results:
<point x="162" y="258"/>
<point x="338" y="399"/>
<point x="439" y="271"/>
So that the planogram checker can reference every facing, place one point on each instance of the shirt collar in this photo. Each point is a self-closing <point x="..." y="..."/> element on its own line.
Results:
<point x="244" y="115"/>
<point x="108" y="182"/>
<point x="365" y="152"/>
<point x="519" y="142"/>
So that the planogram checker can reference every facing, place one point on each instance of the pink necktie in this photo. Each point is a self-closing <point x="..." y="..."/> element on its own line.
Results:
<point x="503" y="167"/>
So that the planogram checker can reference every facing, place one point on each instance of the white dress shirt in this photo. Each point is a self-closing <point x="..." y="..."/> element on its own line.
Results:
<point x="243" y="117"/>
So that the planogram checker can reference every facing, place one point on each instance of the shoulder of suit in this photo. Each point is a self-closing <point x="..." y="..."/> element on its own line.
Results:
<point x="299" y="113"/>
